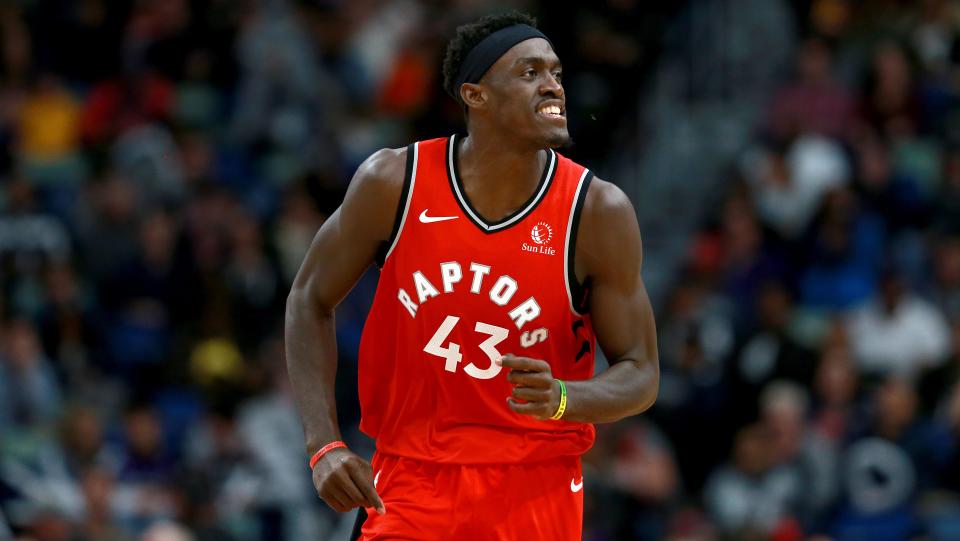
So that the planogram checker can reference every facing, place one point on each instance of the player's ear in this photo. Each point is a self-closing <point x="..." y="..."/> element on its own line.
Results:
<point x="473" y="95"/>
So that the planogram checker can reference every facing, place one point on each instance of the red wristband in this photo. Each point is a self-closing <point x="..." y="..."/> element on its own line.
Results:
<point x="324" y="450"/>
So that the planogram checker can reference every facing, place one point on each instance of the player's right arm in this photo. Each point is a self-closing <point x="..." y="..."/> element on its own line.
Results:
<point x="341" y="251"/>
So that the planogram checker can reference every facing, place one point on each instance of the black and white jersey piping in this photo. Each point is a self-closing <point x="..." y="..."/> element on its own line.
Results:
<point x="459" y="193"/>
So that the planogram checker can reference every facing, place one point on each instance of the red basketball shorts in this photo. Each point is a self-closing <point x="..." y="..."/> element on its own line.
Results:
<point x="540" y="501"/>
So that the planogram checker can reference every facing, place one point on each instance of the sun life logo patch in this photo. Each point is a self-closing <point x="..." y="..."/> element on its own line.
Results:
<point x="541" y="233"/>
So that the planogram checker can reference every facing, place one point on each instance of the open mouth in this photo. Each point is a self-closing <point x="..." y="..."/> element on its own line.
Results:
<point x="551" y="111"/>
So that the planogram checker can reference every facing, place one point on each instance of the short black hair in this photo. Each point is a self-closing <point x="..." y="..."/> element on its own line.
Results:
<point x="468" y="36"/>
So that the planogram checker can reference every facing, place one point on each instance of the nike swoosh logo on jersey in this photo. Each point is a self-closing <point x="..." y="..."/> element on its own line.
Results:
<point x="376" y="478"/>
<point x="430" y="219"/>
<point x="576" y="487"/>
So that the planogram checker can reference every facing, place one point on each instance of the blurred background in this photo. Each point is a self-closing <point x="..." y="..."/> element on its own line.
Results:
<point x="796" y="170"/>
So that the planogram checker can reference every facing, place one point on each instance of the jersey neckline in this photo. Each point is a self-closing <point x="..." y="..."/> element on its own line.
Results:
<point x="515" y="217"/>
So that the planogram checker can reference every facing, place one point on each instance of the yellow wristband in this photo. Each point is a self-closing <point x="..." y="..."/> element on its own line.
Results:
<point x="563" y="401"/>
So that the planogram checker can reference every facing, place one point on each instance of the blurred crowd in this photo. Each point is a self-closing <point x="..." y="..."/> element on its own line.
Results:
<point x="164" y="165"/>
<point x="810" y="345"/>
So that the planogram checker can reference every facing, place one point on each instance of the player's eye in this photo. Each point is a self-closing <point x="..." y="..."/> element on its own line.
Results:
<point x="558" y="75"/>
<point x="530" y="73"/>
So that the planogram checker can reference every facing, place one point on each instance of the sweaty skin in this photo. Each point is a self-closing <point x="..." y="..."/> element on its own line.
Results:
<point x="501" y="161"/>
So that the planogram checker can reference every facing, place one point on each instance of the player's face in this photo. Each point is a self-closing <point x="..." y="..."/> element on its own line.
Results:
<point x="525" y="94"/>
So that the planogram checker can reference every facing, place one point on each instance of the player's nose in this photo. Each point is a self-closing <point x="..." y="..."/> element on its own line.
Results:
<point x="551" y="87"/>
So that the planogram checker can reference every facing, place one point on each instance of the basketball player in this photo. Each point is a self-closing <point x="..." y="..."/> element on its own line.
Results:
<point x="500" y="263"/>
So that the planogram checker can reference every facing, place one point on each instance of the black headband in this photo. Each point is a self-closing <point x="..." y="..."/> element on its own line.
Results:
<point x="489" y="50"/>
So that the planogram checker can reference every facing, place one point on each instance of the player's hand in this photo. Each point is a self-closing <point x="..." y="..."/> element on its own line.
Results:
<point x="344" y="481"/>
<point x="533" y="383"/>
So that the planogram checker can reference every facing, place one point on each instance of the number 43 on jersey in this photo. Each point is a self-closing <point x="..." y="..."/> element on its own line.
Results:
<point x="494" y="335"/>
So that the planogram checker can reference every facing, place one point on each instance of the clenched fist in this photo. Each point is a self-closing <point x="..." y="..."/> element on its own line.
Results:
<point x="533" y="383"/>
<point x="344" y="481"/>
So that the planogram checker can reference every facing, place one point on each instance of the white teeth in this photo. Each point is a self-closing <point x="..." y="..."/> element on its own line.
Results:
<point x="550" y="110"/>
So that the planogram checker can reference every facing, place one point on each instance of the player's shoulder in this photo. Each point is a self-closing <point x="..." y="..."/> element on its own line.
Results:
<point x="376" y="185"/>
<point x="607" y="203"/>
<point x="609" y="232"/>
<point x="603" y="199"/>
<point x="382" y="170"/>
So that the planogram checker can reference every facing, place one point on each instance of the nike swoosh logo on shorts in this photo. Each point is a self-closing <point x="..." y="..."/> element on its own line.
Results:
<point x="576" y="487"/>
<point x="377" y="477"/>
<point x="430" y="219"/>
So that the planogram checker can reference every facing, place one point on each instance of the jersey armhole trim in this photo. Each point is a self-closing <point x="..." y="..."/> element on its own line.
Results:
<point x="576" y="291"/>
<point x="403" y="207"/>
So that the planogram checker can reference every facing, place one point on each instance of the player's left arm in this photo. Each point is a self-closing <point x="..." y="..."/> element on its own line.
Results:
<point x="609" y="253"/>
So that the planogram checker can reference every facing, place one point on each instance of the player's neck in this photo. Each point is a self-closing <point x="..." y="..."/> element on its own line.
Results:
<point x="498" y="176"/>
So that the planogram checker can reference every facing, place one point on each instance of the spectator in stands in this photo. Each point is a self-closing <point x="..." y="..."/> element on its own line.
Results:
<point x="299" y="219"/>
<point x="950" y="416"/>
<point x="148" y="154"/>
<point x="943" y="520"/>
<point x="890" y="103"/>
<point x="43" y="474"/>
<point x="888" y="194"/>
<point x="270" y="429"/>
<point x="887" y="467"/>
<point x="897" y="419"/>
<point x="48" y="135"/>
<point x="30" y="396"/>
<point x="789" y="182"/>
<point x="814" y="102"/>
<point x="898" y="333"/>
<point x="28" y="232"/>
<point x="947" y="212"/>
<point x="696" y="338"/>
<point x="48" y="524"/>
<point x="635" y="482"/>
<point x="107" y="226"/>
<point x="99" y="522"/>
<point x="748" y="261"/>
<point x="253" y="281"/>
<point x="769" y="353"/>
<point x="798" y="446"/>
<point x="845" y="250"/>
<point x="936" y="385"/>
<point x="198" y="104"/>
<point x="128" y="100"/>
<point x="167" y="531"/>
<point x="70" y="330"/>
<point x="144" y="479"/>
<point x="943" y="290"/>
<point x="751" y="497"/>
<point x="220" y="478"/>
<point x="837" y="412"/>
<point x="145" y="297"/>
<point x="83" y="444"/>
<point x="280" y="96"/>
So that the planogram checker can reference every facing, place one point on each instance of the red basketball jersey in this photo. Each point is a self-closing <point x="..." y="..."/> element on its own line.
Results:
<point x="455" y="293"/>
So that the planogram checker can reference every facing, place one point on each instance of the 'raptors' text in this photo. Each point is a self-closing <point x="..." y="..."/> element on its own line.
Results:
<point x="501" y="292"/>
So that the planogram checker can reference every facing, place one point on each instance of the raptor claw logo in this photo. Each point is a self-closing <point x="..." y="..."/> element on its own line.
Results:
<point x="584" y="344"/>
